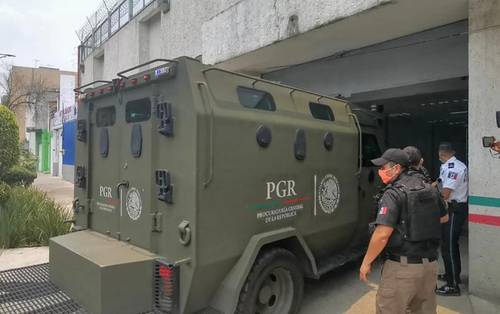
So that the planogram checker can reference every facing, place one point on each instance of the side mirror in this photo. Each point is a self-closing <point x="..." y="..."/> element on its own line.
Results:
<point x="498" y="119"/>
<point x="488" y="141"/>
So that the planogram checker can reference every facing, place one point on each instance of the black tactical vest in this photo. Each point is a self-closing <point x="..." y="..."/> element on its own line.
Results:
<point x="420" y="212"/>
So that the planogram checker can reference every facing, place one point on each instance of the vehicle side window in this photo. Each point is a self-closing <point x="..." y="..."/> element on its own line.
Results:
<point x="371" y="150"/>
<point x="255" y="99"/>
<point x="105" y="116"/>
<point x="138" y="110"/>
<point x="321" y="112"/>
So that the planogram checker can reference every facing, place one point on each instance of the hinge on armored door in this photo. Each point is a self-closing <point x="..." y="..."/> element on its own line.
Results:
<point x="81" y="134"/>
<point x="156" y="222"/>
<point x="165" y="119"/>
<point x="80" y="179"/>
<point x="164" y="186"/>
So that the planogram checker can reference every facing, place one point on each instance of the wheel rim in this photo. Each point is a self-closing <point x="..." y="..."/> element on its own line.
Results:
<point x="276" y="293"/>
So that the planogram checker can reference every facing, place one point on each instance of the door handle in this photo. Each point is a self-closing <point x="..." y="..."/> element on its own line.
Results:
<point x="124" y="183"/>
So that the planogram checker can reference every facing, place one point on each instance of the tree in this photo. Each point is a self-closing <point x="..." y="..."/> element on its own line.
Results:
<point x="9" y="140"/>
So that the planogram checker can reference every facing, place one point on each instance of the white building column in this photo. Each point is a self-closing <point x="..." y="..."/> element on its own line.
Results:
<point x="484" y="102"/>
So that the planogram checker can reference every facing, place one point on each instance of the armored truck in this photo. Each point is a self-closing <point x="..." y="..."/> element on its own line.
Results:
<point x="200" y="190"/>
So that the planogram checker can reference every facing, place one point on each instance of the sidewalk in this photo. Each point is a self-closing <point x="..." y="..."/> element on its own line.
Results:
<point x="62" y="192"/>
<point x="58" y="189"/>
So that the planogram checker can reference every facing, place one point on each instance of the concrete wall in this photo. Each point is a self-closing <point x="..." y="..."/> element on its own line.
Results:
<point x="428" y="56"/>
<point x="484" y="95"/>
<point x="253" y="24"/>
<point x="154" y="34"/>
<point x="257" y="36"/>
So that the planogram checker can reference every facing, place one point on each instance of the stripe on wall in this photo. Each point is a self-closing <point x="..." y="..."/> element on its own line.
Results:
<point x="484" y="219"/>
<point x="485" y="216"/>
<point x="484" y="201"/>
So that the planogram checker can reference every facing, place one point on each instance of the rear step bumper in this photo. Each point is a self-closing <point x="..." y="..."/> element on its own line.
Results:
<point x="102" y="274"/>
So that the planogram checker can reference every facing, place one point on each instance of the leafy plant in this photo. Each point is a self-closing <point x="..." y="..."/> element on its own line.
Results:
<point x="4" y="192"/>
<point x="27" y="160"/>
<point x="19" y="175"/>
<point x="9" y="139"/>
<point x="29" y="218"/>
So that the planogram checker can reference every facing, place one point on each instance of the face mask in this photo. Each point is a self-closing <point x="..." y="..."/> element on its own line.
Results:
<point x="386" y="175"/>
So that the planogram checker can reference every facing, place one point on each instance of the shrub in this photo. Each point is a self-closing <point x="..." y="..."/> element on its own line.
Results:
<point x="29" y="218"/>
<point x="9" y="139"/>
<point x="19" y="175"/>
<point x="28" y="160"/>
<point x="4" y="192"/>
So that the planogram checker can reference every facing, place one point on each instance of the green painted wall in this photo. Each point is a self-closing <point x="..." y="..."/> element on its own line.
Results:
<point x="45" y="151"/>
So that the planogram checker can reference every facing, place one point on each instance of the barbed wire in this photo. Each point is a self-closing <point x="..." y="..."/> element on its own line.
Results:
<point x="95" y="19"/>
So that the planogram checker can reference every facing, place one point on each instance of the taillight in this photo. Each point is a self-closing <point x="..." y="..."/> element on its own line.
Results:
<point x="166" y="287"/>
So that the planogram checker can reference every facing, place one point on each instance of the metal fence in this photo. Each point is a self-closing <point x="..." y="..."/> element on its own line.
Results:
<point x="109" y="17"/>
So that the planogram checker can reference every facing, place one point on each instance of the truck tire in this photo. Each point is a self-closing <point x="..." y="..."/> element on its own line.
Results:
<point x="274" y="285"/>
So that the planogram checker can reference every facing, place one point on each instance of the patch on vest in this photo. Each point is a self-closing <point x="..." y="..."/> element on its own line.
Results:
<point x="451" y="165"/>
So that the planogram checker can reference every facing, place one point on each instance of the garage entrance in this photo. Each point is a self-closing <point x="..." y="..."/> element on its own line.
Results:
<point x="424" y="120"/>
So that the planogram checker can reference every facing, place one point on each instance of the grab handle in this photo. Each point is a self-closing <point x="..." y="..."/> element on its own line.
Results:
<point x="209" y="110"/>
<point x="358" y="127"/>
<point x="78" y="89"/>
<point x="120" y="74"/>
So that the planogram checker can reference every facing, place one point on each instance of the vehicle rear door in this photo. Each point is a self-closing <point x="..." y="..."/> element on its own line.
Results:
<point x="135" y="186"/>
<point x="104" y="164"/>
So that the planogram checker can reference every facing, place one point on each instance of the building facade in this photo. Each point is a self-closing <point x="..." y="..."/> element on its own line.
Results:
<point x="430" y="68"/>
<point x="44" y="93"/>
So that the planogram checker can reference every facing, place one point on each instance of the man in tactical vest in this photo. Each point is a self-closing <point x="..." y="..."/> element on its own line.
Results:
<point x="408" y="228"/>
<point x="417" y="164"/>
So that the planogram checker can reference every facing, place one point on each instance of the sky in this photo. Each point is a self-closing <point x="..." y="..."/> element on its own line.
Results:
<point x="42" y="32"/>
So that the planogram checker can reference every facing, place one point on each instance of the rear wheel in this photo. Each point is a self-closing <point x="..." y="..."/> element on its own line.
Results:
<point x="275" y="285"/>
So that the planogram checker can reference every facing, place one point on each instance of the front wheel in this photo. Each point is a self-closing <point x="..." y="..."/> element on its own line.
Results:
<point x="275" y="285"/>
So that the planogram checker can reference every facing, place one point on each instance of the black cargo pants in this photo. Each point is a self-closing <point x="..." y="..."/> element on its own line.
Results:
<point x="450" y="250"/>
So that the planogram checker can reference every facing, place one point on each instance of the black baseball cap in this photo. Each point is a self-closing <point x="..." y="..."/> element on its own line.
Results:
<point x="392" y="154"/>
<point x="446" y="146"/>
<point x="414" y="154"/>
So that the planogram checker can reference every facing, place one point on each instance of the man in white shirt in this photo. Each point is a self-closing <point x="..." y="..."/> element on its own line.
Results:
<point x="453" y="183"/>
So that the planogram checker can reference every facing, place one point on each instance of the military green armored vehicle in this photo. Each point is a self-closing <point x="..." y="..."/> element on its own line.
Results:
<point x="200" y="190"/>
